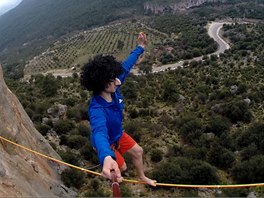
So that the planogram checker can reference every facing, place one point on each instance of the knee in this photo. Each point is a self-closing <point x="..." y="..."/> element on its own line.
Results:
<point x="123" y="168"/>
<point x="138" y="151"/>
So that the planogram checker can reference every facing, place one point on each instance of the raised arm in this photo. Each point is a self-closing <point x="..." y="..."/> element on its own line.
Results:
<point x="134" y="55"/>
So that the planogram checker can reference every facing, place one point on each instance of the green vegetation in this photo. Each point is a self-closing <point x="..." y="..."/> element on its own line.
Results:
<point x="72" y="177"/>
<point x="215" y="125"/>
<point x="75" y="50"/>
<point x="185" y="171"/>
<point x="188" y="37"/>
<point x="200" y="124"/>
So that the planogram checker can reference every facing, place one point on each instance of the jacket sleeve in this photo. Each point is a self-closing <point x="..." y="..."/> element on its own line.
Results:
<point x="130" y="62"/>
<point x="100" y="137"/>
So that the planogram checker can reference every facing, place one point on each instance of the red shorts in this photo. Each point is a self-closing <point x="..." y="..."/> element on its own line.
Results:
<point x="125" y="143"/>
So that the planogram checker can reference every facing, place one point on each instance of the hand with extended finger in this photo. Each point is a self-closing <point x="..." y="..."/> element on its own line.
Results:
<point x="111" y="165"/>
<point x="142" y="39"/>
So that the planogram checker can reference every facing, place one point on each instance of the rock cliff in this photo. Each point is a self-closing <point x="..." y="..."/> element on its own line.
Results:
<point x="22" y="173"/>
<point x="158" y="7"/>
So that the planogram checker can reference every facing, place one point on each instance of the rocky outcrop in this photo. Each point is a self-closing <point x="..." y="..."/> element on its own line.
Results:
<point x="23" y="174"/>
<point x="158" y="7"/>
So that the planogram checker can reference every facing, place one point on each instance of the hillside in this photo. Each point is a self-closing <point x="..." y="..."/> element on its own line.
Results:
<point x="33" y="26"/>
<point x="24" y="174"/>
<point x="207" y="116"/>
<point x="199" y="124"/>
<point x="74" y="50"/>
<point x="37" y="20"/>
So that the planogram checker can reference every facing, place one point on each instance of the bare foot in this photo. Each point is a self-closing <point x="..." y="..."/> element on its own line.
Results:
<point x="148" y="181"/>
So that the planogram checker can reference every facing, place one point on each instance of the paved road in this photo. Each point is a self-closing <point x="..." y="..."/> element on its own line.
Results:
<point x="213" y="31"/>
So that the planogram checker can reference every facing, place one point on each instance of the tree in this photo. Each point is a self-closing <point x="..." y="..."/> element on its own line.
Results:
<point x="145" y="69"/>
<point x="193" y="64"/>
<point x="170" y="92"/>
<point x="129" y="90"/>
<point x="120" y="45"/>
<point x="49" y="85"/>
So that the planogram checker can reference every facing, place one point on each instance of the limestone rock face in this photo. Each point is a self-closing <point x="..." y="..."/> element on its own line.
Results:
<point x="159" y="7"/>
<point x="23" y="174"/>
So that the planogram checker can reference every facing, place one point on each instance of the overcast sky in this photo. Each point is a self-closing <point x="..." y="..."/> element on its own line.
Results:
<point x="6" y="5"/>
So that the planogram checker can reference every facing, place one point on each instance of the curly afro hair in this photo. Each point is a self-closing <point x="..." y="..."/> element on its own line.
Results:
<point x="98" y="72"/>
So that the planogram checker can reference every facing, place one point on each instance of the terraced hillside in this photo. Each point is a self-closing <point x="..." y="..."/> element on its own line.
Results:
<point x="74" y="50"/>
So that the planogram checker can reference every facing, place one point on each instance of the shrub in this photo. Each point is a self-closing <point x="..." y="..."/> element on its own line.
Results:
<point x="129" y="90"/>
<point x="70" y="101"/>
<point x="250" y="171"/>
<point x="190" y="128"/>
<point x="156" y="155"/>
<point x="243" y="192"/>
<point x="133" y="127"/>
<point x="76" y="141"/>
<point x="220" y="157"/>
<point x="72" y="177"/>
<point x="170" y="92"/>
<point x="133" y="112"/>
<point x="249" y="151"/>
<point x="69" y="157"/>
<point x="218" y="125"/>
<point x="237" y="111"/>
<point x="254" y="134"/>
<point x="193" y="64"/>
<point x="49" y="85"/>
<point x="84" y="130"/>
<point x="195" y="153"/>
<point x="63" y="126"/>
<point x="89" y="153"/>
<point x="63" y="139"/>
<point x="125" y="191"/>
<point x="73" y="114"/>
<point x="185" y="171"/>
<point x="97" y="193"/>
<point x="37" y="118"/>
<point x="175" y="150"/>
<point x="43" y="128"/>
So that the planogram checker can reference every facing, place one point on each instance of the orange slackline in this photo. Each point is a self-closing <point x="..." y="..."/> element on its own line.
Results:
<point x="134" y="181"/>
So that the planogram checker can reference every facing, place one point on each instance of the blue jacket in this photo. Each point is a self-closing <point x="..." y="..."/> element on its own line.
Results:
<point x="106" y="117"/>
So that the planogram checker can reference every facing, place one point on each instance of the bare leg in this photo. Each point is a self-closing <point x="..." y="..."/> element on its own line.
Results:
<point x="123" y="168"/>
<point x="137" y="157"/>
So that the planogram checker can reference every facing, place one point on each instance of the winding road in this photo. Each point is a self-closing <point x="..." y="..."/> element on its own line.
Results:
<point x="213" y="32"/>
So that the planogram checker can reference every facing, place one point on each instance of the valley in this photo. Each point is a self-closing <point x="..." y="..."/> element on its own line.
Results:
<point x="194" y="103"/>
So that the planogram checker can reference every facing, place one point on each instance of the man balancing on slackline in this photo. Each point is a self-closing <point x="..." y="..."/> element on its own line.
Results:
<point x="103" y="76"/>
